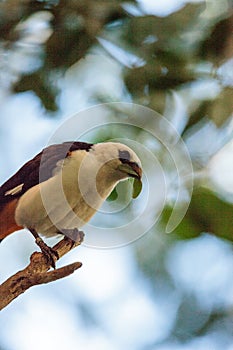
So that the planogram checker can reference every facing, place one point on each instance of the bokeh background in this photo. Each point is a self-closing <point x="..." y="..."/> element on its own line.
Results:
<point x="163" y="291"/>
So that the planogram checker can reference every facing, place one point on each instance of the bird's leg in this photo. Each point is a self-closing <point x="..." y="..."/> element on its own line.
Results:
<point x="73" y="235"/>
<point x="50" y="253"/>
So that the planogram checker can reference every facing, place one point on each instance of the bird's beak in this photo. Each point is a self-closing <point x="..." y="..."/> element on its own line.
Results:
<point x="131" y="169"/>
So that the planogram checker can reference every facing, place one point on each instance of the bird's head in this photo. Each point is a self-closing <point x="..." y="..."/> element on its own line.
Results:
<point x="118" y="160"/>
<point x="103" y="166"/>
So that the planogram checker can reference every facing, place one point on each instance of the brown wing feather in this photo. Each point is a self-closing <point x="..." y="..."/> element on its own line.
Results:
<point x="40" y="168"/>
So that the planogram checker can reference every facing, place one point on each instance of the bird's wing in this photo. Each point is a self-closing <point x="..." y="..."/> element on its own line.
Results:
<point x="38" y="169"/>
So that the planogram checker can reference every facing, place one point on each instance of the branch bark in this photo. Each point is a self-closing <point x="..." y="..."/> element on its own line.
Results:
<point x="37" y="272"/>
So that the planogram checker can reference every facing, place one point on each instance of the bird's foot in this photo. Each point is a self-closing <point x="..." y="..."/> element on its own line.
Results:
<point x="74" y="235"/>
<point x="51" y="255"/>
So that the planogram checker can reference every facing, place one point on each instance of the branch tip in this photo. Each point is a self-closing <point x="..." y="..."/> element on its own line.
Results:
<point x="38" y="272"/>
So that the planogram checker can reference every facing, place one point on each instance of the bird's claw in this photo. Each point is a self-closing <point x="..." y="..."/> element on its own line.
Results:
<point x="74" y="235"/>
<point x="51" y="254"/>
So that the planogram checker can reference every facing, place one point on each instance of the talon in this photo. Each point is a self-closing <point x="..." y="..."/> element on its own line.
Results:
<point x="73" y="234"/>
<point x="51" y="255"/>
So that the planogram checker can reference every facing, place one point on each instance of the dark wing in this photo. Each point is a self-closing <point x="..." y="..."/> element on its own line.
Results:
<point x="38" y="169"/>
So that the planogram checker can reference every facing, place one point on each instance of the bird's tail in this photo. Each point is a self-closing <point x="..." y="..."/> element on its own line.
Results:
<point x="7" y="218"/>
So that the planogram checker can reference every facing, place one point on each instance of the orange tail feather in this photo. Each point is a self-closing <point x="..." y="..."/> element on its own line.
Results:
<point x="7" y="219"/>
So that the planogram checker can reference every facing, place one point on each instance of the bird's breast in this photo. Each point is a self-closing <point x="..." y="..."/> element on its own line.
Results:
<point x="67" y="200"/>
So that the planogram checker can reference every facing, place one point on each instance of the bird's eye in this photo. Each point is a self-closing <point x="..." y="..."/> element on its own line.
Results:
<point x="124" y="156"/>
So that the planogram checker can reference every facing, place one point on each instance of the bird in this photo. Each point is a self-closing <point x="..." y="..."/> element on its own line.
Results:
<point x="62" y="187"/>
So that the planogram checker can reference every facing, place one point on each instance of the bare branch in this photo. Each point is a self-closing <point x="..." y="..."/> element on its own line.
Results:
<point x="37" y="272"/>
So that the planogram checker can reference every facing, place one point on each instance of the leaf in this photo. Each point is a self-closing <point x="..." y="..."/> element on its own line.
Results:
<point x="113" y="195"/>
<point x="137" y="188"/>
<point x="222" y="107"/>
<point x="163" y="28"/>
<point x="217" y="47"/>
<point x="40" y="84"/>
<point x="159" y="73"/>
<point x="198" y="114"/>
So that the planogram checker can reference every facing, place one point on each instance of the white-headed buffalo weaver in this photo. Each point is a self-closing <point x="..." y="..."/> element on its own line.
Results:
<point x="62" y="187"/>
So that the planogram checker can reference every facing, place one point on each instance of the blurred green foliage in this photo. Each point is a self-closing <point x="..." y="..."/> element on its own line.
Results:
<point x="74" y="24"/>
<point x="172" y="47"/>
<point x="207" y="212"/>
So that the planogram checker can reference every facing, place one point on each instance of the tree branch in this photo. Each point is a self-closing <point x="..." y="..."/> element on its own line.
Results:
<point x="37" y="272"/>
